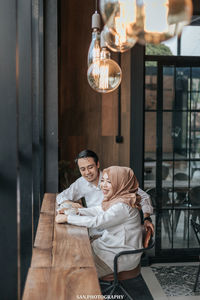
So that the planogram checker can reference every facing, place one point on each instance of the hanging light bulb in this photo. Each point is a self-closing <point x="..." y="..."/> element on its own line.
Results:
<point x="104" y="75"/>
<point x="94" y="49"/>
<point x="118" y="17"/>
<point x="153" y="21"/>
<point x="160" y="20"/>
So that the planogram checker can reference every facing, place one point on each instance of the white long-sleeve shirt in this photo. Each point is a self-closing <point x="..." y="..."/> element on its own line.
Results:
<point x="94" y="196"/>
<point x="122" y="230"/>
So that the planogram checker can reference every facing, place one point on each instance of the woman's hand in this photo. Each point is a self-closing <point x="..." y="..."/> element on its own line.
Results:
<point x="60" y="218"/>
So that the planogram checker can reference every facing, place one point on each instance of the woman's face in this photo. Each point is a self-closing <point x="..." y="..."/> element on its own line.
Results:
<point x="106" y="186"/>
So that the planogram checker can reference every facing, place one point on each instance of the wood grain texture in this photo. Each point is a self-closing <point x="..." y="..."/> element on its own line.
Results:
<point x="36" y="287"/>
<point x="62" y="264"/>
<point x="42" y="250"/>
<point x="59" y="283"/>
<point x="72" y="282"/>
<point x="41" y="258"/>
<point x="71" y="247"/>
<point x="48" y="203"/>
<point x="44" y="234"/>
<point x="87" y="119"/>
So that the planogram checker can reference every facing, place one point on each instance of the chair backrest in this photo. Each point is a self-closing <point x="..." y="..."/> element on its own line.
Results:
<point x="180" y="176"/>
<point x="165" y="196"/>
<point x="194" y="195"/>
<point x="147" y="238"/>
<point x="196" y="228"/>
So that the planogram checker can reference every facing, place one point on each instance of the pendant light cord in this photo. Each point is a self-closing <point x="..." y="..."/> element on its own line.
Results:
<point x="96" y="6"/>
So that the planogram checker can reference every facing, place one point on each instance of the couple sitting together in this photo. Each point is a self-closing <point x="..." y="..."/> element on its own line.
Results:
<point x="113" y="201"/>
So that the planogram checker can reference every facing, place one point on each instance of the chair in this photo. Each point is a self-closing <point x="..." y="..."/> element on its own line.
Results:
<point x="181" y="199"/>
<point x="165" y="213"/>
<point x="194" y="202"/>
<point x="114" y="282"/>
<point x="193" y="205"/>
<point x="196" y="228"/>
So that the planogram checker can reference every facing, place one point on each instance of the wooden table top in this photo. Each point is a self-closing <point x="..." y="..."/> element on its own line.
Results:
<point x="62" y="265"/>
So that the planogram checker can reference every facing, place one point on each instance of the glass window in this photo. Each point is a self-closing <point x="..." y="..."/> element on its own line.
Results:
<point x="187" y="45"/>
<point x="150" y="136"/>
<point x="151" y="85"/>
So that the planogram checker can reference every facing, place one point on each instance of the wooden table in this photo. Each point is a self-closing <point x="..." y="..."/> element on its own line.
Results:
<point x="62" y="265"/>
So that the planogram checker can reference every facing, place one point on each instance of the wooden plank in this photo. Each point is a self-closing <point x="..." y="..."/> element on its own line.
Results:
<point x="36" y="287"/>
<point x="73" y="282"/>
<point x="71" y="247"/>
<point x="62" y="284"/>
<point x="48" y="203"/>
<point x="62" y="263"/>
<point x="41" y="258"/>
<point x="44" y="235"/>
<point x="42" y="250"/>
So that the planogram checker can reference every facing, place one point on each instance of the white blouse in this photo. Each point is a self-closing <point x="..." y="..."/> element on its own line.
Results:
<point x="122" y="230"/>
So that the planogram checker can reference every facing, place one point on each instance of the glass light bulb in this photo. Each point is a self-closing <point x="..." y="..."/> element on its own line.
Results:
<point x="118" y="16"/>
<point x="151" y="21"/>
<point x="94" y="49"/>
<point x="160" y="20"/>
<point x="105" y="75"/>
<point x="116" y="42"/>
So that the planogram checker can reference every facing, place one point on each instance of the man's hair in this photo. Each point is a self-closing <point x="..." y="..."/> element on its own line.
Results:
<point x="87" y="153"/>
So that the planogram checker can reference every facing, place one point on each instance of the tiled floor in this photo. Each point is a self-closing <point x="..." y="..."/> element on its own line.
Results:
<point x="172" y="281"/>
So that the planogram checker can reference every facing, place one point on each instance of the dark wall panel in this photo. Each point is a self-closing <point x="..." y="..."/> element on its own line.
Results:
<point x="51" y="97"/>
<point x="8" y="155"/>
<point x="137" y="111"/>
<point x="25" y="119"/>
<point x="22" y="138"/>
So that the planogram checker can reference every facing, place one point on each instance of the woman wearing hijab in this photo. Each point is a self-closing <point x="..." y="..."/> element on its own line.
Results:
<point x="118" y="217"/>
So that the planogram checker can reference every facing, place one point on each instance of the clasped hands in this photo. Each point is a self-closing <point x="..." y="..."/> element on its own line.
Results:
<point x="61" y="216"/>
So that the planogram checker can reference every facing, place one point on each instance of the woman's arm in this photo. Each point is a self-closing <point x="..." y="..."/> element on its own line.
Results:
<point x="115" y="215"/>
<point x="91" y="211"/>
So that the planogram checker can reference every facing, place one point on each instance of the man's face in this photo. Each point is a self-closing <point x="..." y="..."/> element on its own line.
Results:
<point x="89" y="170"/>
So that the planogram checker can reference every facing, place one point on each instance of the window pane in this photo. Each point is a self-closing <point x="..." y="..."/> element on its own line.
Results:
<point x="195" y="134"/>
<point x="190" y="43"/>
<point x="167" y="135"/>
<point x="180" y="134"/>
<point x="168" y="87"/>
<point x="182" y="88"/>
<point x="150" y="85"/>
<point x="150" y="135"/>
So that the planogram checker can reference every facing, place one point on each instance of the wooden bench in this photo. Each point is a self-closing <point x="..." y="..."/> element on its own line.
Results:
<point x="62" y="265"/>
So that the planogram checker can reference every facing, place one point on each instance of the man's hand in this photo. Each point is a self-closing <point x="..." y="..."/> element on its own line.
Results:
<point x="76" y="205"/>
<point x="60" y="218"/>
<point x="62" y="210"/>
<point x="148" y="224"/>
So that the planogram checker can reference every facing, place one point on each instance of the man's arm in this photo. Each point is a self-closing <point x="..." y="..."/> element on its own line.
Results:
<point x="73" y="193"/>
<point x="146" y="208"/>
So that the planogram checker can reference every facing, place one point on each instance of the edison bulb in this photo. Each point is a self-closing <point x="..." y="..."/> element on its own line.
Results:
<point x="147" y="21"/>
<point x="118" y="16"/>
<point x="104" y="76"/>
<point x="117" y="42"/>
<point x="160" y="20"/>
<point x="94" y="49"/>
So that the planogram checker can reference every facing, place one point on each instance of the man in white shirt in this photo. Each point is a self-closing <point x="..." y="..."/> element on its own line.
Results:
<point x="88" y="186"/>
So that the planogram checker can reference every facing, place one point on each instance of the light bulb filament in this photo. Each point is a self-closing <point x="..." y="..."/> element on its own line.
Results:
<point x="96" y="53"/>
<point x="122" y="21"/>
<point x="103" y="80"/>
